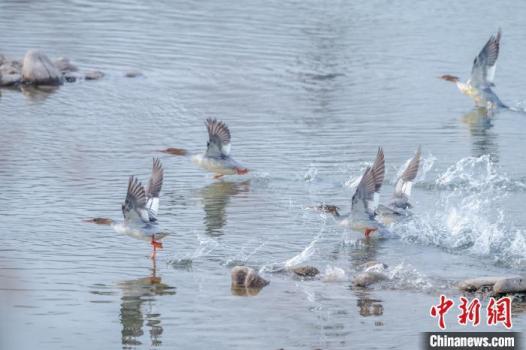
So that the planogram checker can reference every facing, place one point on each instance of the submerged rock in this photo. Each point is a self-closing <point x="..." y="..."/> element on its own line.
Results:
<point x="133" y="73"/>
<point x="306" y="271"/>
<point x="510" y="285"/>
<point x="10" y="72"/>
<point x="367" y="278"/>
<point x="246" y="277"/>
<point x="93" y="75"/>
<point x="37" y="69"/>
<point x="481" y="283"/>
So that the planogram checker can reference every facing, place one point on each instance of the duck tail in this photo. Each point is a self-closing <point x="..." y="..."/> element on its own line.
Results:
<point x="176" y="151"/>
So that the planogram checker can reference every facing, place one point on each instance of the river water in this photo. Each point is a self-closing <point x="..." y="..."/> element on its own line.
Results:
<point x="309" y="89"/>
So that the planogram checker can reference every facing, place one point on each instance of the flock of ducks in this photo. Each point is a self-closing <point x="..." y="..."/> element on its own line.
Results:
<point x="367" y="215"/>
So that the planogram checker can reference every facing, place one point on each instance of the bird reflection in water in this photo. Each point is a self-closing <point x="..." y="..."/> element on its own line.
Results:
<point x="479" y="122"/>
<point x="137" y="304"/>
<point x="216" y="197"/>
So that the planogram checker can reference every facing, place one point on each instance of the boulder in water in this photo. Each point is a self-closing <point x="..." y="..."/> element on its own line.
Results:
<point x="133" y="73"/>
<point x="37" y="69"/>
<point x="306" y="271"/>
<point x="93" y="75"/>
<point x="367" y="278"/>
<point x="480" y="283"/>
<point x="246" y="277"/>
<point x="510" y="285"/>
<point x="10" y="73"/>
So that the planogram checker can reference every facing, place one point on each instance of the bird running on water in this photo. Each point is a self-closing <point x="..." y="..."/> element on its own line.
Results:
<point x="479" y="86"/>
<point x="216" y="158"/>
<point x="364" y="201"/>
<point x="399" y="203"/>
<point x="140" y="210"/>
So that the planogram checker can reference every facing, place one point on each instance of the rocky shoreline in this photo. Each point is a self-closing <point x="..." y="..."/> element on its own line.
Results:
<point x="37" y="69"/>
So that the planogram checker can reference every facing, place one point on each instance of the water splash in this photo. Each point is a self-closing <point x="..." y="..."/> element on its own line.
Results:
<point x="304" y="255"/>
<point x="334" y="274"/>
<point x="468" y="218"/>
<point x="426" y="164"/>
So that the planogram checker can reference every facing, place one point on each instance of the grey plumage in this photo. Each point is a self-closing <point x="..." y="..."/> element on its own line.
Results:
<point x="218" y="145"/>
<point x="142" y="205"/>
<point x="483" y="71"/>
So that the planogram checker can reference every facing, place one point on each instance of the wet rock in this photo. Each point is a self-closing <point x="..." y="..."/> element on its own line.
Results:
<point x="306" y="271"/>
<point x="37" y="69"/>
<point x="93" y="75"/>
<point x="246" y="277"/>
<point x="133" y="73"/>
<point x="510" y="285"/>
<point x="64" y="65"/>
<point x="10" y="73"/>
<point x="10" y="79"/>
<point x="367" y="278"/>
<point x="480" y="283"/>
<point x="71" y="77"/>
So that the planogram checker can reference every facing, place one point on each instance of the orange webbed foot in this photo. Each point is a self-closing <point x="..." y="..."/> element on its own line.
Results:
<point x="369" y="231"/>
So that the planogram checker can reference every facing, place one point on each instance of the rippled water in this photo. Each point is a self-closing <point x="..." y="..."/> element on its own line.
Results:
<point x="309" y="90"/>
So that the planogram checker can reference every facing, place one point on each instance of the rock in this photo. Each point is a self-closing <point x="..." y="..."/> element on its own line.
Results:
<point x="367" y="278"/>
<point x="133" y="73"/>
<point x="10" y="73"/>
<point x="246" y="277"/>
<point x="64" y="65"/>
<point x="72" y="77"/>
<point x="93" y="75"/>
<point x="37" y="69"/>
<point x="306" y="271"/>
<point x="10" y="79"/>
<point x="510" y="285"/>
<point x="475" y="284"/>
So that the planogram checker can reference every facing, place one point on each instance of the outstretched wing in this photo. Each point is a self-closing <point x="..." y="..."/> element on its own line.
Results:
<point x="405" y="181"/>
<point x="378" y="170"/>
<point x="483" y="71"/>
<point x="134" y="207"/>
<point x="154" y="189"/>
<point x="218" y="139"/>
<point x="363" y="198"/>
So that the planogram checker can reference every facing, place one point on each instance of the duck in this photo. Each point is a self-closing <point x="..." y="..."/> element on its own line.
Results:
<point x="480" y="86"/>
<point x="364" y="200"/>
<point x="216" y="159"/>
<point x="140" y="209"/>
<point x="399" y="205"/>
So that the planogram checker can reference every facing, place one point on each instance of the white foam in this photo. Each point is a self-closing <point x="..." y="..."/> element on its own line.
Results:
<point x="334" y="274"/>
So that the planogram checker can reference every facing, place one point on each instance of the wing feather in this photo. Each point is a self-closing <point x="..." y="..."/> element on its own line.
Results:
<point x="134" y="205"/>
<point x="154" y="189"/>
<point x="218" y="138"/>
<point x="484" y="65"/>
<point x="363" y="197"/>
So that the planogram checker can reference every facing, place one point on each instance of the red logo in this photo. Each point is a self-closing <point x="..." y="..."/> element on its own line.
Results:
<point x="497" y="311"/>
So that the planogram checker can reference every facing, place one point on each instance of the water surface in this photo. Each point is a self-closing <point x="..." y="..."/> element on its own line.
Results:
<point x="309" y="90"/>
